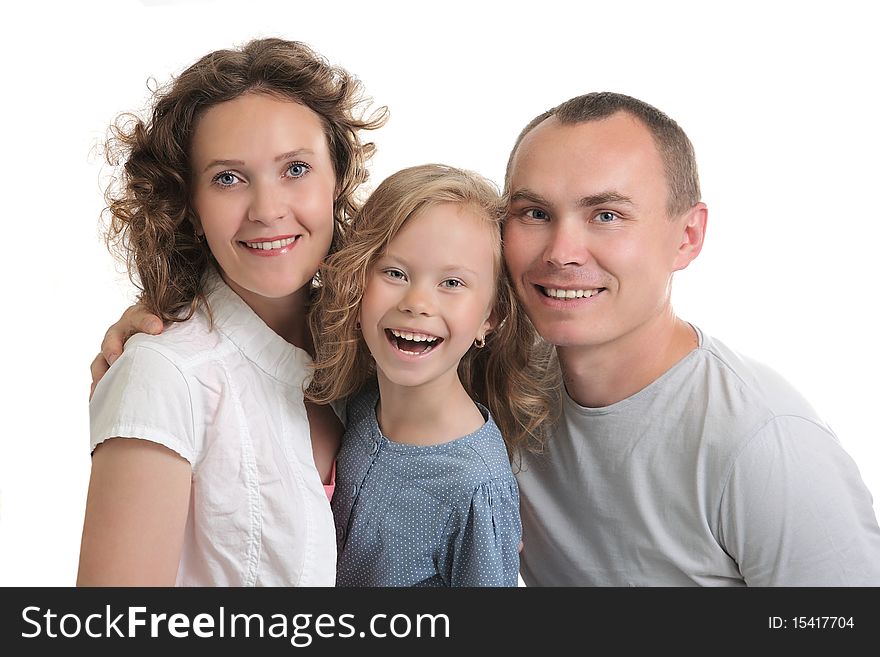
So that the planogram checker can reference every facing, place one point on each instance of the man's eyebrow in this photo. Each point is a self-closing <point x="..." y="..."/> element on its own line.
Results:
<point x="585" y="202"/>
<point x="529" y="196"/>
<point x="603" y="198"/>
<point x="237" y="163"/>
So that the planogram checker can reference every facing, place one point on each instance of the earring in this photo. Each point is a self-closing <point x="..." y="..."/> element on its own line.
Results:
<point x="357" y="326"/>
<point x="479" y="343"/>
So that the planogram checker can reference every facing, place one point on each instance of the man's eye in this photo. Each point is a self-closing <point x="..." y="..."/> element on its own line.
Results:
<point x="606" y="217"/>
<point x="534" y="213"/>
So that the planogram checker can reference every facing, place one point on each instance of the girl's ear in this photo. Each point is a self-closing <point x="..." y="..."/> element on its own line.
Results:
<point x="487" y="326"/>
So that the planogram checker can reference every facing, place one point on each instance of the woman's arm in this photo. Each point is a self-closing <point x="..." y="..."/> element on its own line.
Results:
<point x="135" y="515"/>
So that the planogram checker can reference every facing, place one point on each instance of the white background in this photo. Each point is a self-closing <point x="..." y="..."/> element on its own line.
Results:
<point x="779" y="99"/>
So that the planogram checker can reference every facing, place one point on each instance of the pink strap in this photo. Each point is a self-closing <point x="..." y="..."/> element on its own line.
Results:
<point x="329" y="488"/>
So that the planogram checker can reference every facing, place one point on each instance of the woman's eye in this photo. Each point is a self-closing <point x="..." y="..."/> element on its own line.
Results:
<point x="226" y="179"/>
<point x="297" y="170"/>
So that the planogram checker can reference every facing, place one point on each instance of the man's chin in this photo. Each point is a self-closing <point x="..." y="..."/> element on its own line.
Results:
<point x="568" y="334"/>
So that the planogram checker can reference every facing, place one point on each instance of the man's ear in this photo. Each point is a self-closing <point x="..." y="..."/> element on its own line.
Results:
<point x="693" y="232"/>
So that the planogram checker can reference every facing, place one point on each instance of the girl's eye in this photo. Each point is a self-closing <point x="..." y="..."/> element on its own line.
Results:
<point x="395" y="274"/>
<point x="297" y="169"/>
<point x="225" y="179"/>
<point x="606" y="217"/>
<point x="452" y="283"/>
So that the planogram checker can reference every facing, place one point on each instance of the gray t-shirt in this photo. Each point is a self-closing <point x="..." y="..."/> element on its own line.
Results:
<point x="717" y="474"/>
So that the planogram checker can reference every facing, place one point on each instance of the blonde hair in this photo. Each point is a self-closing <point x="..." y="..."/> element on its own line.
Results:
<point x="509" y="375"/>
<point x="151" y="215"/>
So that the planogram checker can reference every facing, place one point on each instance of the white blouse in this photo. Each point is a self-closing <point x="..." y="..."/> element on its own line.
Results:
<point x="229" y="401"/>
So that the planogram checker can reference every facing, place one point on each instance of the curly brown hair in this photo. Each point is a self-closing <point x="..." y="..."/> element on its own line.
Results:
<point x="149" y="203"/>
<point x="510" y="375"/>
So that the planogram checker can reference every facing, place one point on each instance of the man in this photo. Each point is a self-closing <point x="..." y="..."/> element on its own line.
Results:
<point x="675" y="461"/>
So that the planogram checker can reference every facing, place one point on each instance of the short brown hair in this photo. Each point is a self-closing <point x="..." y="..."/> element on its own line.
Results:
<point x="675" y="148"/>
<point x="149" y="204"/>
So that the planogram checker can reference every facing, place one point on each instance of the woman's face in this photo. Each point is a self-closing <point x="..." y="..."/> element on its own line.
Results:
<point x="263" y="190"/>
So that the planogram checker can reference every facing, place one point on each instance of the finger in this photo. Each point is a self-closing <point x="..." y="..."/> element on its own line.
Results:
<point x="138" y="319"/>
<point x="149" y="323"/>
<point x="111" y="345"/>
<point x="98" y="369"/>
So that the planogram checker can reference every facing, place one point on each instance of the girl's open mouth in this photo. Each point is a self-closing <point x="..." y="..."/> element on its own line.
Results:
<point x="412" y="343"/>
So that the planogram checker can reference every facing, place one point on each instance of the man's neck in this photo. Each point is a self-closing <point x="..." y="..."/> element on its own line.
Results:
<point x="601" y="375"/>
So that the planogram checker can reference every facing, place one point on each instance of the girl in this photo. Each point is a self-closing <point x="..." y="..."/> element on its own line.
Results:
<point x="231" y="195"/>
<point x="419" y="322"/>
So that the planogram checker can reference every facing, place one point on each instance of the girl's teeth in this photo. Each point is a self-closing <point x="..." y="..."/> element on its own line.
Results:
<point x="414" y="337"/>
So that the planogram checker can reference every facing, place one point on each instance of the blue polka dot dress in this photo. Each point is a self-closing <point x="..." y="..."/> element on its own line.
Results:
<point x="413" y="515"/>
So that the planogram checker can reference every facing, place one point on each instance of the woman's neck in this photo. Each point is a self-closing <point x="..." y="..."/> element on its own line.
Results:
<point x="286" y="316"/>
<point x="430" y="414"/>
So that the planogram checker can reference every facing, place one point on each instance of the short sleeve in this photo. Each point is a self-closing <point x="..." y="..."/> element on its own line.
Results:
<point x="483" y="537"/>
<point x="340" y="408"/>
<point x="144" y="395"/>
<point x="795" y="511"/>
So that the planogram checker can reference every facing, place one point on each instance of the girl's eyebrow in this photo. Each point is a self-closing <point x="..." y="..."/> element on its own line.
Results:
<point x="237" y="163"/>
<point x="393" y="259"/>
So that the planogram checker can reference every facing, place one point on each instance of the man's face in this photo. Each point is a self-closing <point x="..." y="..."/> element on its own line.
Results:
<point x="588" y="240"/>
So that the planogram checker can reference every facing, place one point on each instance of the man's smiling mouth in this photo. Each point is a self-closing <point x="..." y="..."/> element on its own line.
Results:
<point x="560" y="294"/>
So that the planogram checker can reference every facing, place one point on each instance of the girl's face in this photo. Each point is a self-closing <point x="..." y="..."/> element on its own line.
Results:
<point x="263" y="190"/>
<point x="429" y="296"/>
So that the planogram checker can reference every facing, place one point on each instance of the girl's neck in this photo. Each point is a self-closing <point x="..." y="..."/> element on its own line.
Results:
<point x="430" y="414"/>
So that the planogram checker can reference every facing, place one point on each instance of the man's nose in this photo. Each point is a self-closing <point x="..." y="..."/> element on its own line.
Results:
<point x="567" y="245"/>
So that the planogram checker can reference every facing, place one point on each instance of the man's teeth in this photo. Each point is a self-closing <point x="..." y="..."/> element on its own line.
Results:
<point x="414" y="337"/>
<point x="274" y="244"/>
<point x="569" y="294"/>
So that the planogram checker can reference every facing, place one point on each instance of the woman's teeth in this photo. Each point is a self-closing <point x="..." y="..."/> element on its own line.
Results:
<point x="267" y="246"/>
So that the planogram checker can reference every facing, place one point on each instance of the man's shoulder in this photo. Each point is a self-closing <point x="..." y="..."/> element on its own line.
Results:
<point x="740" y="380"/>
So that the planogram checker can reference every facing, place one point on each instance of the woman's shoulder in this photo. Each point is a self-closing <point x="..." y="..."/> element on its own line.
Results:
<point x="185" y="343"/>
